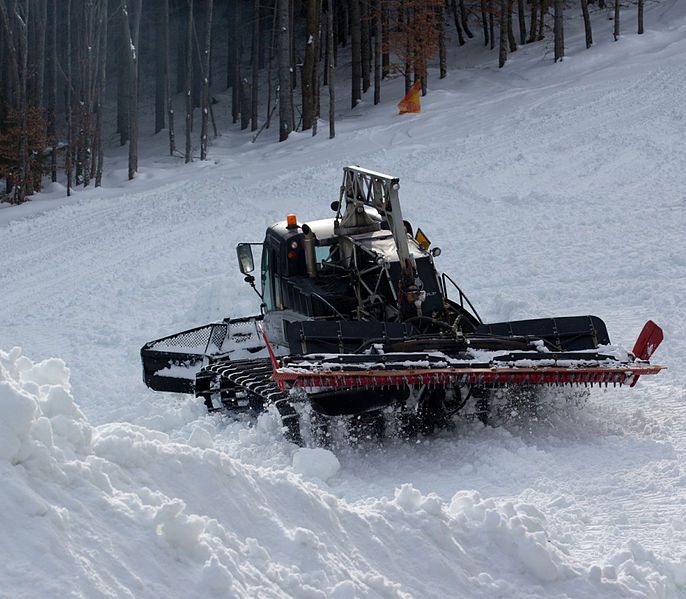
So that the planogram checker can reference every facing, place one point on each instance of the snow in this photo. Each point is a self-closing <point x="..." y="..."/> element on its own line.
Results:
<point x="551" y="189"/>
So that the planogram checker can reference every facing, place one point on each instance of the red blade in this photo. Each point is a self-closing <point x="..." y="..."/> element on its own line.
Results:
<point x="648" y="341"/>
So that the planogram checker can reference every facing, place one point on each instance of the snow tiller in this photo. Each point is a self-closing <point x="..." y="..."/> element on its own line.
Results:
<point x="355" y="318"/>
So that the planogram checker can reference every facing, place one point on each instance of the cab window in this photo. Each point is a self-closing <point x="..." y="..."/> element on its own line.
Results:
<point x="267" y="285"/>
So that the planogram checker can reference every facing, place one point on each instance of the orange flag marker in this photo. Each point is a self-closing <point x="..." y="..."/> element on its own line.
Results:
<point x="410" y="103"/>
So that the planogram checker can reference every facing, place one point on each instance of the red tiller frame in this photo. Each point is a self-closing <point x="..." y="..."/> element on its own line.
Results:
<point x="292" y="377"/>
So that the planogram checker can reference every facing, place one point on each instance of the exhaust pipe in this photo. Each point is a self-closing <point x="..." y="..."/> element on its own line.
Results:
<point x="309" y="239"/>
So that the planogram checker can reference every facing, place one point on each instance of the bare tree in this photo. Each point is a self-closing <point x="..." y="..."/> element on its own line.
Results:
<point x="316" y="82"/>
<point x="307" y="75"/>
<point x="510" y="29"/>
<point x="458" y="24"/>
<point x="533" y="21"/>
<point x="161" y="74"/>
<point x="52" y="90"/>
<point x="521" y="17"/>
<point x="286" y="124"/>
<point x="236" y="67"/>
<point x="464" y="20"/>
<point x="615" y="31"/>
<point x="330" y="67"/>
<point x="378" y="50"/>
<point x="640" y="17"/>
<point x="167" y="88"/>
<point x="442" y="58"/>
<point x="559" y="30"/>
<point x="188" y="155"/>
<point x="131" y="10"/>
<point x="502" y="54"/>
<point x="255" y="58"/>
<point x="484" y="21"/>
<point x="356" y="41"/>
<point x="587" y="23"/>
<point x="365" y="45"/>
<point x="102" y="88"/>
<point x="205" y="101"/>
<point x="68" y="108"/>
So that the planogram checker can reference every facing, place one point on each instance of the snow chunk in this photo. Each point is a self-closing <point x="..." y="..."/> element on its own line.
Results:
<point x="316" y="463"/>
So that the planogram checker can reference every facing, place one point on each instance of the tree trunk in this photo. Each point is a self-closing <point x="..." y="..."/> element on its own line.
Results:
<point x="24" y="188"/>
<point x="132" y="19"/>
<point x="365" y="46"/>
<point x="285" y="90"/>
<point x="270" y="62"/>
<point x="316" y="78"/>
<point x="458" y="26"/>
<point x="291" y="45"/>
<point x="484" y="21"/>
<point x="330" y="67"/>
<point x="161" y="75"/>
<point x="181" y="51"/>
<point x="356" y="41"/>
<point x="385" y="55"/>
<point x="541" y="19"/>
<point x="167" y="89"/>
<point x="378" y="49"/>
<point x="236" y="76"/>
<point x="307" y="75"/>
<point x="559" y="30"/>
<point x="533" y="21"/>
<point x="205" y="101"/>
<point x="615" y="31"/>
<point x="327" y="49"/>
<point x="189" y="83"/>
<point x="68" y="104"/>
<point x="502" y="54"/>
<point x="102" y="89"/>
<point x="521" y="17"/>
<point x="491" y="22"/>
<point x="408" y="45"/>
<point x="245" y="101"/>
<point x="442" y="59"/>
<point x="255" y="57"/>
<point x="510" y="29"/>
<point x="123" y="85"/>
<point x="464" y="20"/>
<point x="587" y="23"/>
<point x="640" y="17"/>
<point x="42" y="21"/>
<point x="52" y="91"/>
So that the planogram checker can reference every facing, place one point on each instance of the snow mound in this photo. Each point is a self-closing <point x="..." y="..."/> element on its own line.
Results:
<point x="123" y="510"/>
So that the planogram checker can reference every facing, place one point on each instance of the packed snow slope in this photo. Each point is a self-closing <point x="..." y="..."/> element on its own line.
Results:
<point x="552" y="190"/>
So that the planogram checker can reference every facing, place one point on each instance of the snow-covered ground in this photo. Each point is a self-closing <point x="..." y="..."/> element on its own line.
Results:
<point x="552" y="190"/>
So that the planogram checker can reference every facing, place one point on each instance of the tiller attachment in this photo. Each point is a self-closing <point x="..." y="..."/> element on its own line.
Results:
<point x="317" y="372"/>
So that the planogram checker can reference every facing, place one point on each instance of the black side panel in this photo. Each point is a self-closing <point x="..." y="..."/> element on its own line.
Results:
<point x="568" y="333"/>
<point x="340" y="336"/>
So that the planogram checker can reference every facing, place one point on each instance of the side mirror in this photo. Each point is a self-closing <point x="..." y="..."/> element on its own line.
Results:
<point x="335" y="205"/>
<point x="245" y="260"/>
<point x="435" y="252"/>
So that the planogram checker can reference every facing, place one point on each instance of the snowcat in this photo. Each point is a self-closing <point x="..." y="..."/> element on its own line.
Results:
<point x="355" y="320"/>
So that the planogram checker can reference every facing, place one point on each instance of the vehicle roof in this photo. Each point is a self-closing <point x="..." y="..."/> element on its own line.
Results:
<point x="380" y="242"/>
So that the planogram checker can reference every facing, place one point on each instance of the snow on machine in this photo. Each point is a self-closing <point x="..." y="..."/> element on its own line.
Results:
<point x="355" y="319"/>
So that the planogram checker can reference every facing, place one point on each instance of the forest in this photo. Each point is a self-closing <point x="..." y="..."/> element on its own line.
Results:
<point x="77" y="76"/>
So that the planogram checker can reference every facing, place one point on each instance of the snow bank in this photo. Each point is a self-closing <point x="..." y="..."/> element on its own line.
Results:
<point x="123" y="510"/>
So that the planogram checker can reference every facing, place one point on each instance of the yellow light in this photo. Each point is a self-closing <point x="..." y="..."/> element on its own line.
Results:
<point x="291" y="221"/>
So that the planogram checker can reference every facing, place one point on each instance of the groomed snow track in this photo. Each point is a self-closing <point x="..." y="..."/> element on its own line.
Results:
<point x="554" y="188"/>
